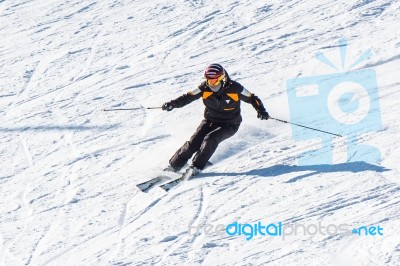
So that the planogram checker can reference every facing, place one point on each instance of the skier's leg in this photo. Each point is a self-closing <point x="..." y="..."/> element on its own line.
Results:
<point x="184" y="153"/>
<point x="211" y="142"/>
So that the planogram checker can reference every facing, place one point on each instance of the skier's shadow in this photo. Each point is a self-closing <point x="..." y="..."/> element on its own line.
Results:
<point x="280" y="169"/>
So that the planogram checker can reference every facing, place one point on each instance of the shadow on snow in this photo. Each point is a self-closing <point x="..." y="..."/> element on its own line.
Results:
<point x="281" y="169"/>
<point x="58" y="128"/>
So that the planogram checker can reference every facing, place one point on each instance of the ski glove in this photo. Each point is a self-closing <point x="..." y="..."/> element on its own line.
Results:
<point x="167" y="106"/>
<point x="263" y="115"/>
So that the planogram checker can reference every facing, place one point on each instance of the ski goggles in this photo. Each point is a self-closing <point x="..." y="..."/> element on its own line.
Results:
<point x="216" y="81"/>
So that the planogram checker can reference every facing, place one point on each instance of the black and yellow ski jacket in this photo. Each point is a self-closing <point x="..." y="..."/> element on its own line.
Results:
<point x="224" y="105"/>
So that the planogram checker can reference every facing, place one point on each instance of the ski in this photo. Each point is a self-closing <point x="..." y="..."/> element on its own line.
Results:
<point x="164" y="180"/>
<point x="149" y="184"/>
<point x="185" y="176"/>
<point x="168" y="186"/>
<point x="166" y="175"/>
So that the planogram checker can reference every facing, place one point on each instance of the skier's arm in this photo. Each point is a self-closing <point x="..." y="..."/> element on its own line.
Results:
<point x="249" y="97"/>
<point x="182" y="100"/>
<point x="257" y="104"/>
<point x="186" y="98"/>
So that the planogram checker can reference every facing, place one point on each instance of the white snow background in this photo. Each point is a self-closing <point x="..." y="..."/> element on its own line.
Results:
<point x="68" y="170"/>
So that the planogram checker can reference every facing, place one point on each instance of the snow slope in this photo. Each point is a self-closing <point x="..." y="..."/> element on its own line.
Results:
<point x="68" y="170"/>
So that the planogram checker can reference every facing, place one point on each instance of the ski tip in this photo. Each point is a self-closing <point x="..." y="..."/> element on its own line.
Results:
<point x="165" y="189"/>
<point x="142" y="190"/>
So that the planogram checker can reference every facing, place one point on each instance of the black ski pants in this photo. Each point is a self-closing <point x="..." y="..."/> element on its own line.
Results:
<point x="204" y="142"/>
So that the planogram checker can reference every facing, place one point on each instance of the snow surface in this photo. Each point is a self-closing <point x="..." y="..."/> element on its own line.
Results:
<point x="68" y="170"/>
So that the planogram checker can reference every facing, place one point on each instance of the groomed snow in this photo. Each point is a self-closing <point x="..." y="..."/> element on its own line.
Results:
<point x="68" y="170"/>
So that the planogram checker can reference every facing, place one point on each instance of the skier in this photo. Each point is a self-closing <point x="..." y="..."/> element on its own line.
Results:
<point x="221" y="97"/>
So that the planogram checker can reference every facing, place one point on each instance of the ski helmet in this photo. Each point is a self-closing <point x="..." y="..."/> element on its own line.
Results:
<point x="213" y="71"/>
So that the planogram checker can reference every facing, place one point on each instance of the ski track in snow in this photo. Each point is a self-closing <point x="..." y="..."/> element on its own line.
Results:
<point x="69" y="173"/>
<point x="70" y="191"/>
<point x="187" y="240"/>
<point x="124" y="211"/>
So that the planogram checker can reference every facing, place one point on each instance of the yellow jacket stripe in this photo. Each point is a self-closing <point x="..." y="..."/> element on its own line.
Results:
<point x="207" y="94"/>
<point x="233" y="96"/>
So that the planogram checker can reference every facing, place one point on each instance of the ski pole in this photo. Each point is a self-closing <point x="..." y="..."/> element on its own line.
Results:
<point x="283" y="121"/>
<point x="129" y="109"/>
